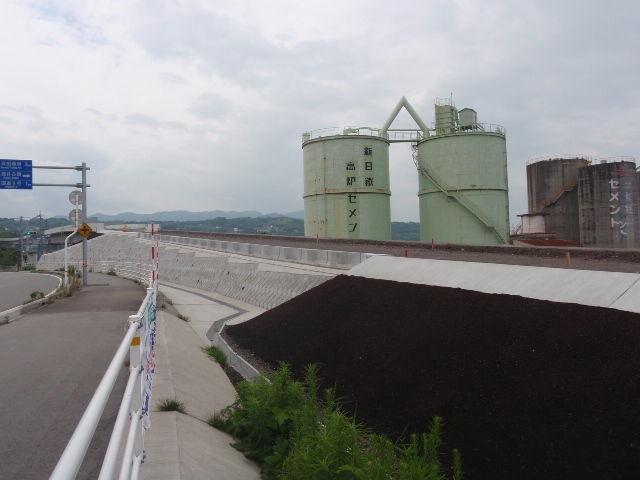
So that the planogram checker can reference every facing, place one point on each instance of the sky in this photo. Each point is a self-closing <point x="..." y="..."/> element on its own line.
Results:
<point x="200" y="105"/>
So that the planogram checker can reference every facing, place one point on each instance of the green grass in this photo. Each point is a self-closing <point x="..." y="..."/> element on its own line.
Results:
<point x="171" y="404"/>
<point x="296" y="433"/>
<point x="217" y="420"/>
<point x="215" y="354"/>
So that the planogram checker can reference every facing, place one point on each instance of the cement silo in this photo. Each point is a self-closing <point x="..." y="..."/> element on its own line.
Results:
<point x="608" y="203"/>
<point x="346" y="184"/>
<point x="552" y="191"/>
<point x="463" y="185"/>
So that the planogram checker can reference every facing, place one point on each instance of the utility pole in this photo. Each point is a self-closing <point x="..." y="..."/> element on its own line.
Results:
<point x="41" y="235"/>
<point x="86" y="215"/>
<point x="21" y="252"/>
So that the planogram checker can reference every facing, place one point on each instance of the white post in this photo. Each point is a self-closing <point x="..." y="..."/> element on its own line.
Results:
<point x="66" y="240"/>
<point x="66" y="261"/>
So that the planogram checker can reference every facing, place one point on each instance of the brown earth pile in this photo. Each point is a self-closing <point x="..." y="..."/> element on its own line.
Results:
<point x="528" y="389"/>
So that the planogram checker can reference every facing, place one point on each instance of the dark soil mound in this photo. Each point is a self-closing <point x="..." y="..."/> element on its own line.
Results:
<point x="528" y="389"/>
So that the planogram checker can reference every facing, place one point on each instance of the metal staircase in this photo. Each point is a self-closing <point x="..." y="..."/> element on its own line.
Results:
<point x="564" y="189"/>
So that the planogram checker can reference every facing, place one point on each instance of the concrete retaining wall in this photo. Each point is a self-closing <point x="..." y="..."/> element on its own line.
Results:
<point x="602" y="289"/>
<point x="195" y="263"/>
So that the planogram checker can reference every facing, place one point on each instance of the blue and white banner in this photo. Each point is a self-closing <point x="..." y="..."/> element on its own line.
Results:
<point x="148" y="355"/>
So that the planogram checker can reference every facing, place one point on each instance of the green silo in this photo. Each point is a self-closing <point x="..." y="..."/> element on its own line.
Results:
<point x="346" y="184"/>
<point x="463" y="186"/>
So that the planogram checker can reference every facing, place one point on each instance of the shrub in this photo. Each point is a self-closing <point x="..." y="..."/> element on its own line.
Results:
<point x="283" y="424"/>
<point x="34" y="296"/>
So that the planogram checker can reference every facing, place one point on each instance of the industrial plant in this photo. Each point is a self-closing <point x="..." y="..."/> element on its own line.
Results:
<point x="462" y="175"/>
<point x="463" y="189"/>
<point x="593" y="203"/>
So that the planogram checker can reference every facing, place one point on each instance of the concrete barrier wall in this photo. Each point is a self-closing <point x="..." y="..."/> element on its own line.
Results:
<point x="180" y="262"/>
<point x="321" y="258"/>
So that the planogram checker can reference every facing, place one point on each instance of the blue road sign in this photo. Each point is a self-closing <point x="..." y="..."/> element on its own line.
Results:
<point x="16" y="174"/>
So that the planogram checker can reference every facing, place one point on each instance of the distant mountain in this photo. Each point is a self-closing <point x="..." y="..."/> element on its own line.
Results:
<point x="298" y="214"/>
<point x="184" y="216"/>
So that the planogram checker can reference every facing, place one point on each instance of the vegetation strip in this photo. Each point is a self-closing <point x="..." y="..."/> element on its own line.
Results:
<point x="294" y="434"/>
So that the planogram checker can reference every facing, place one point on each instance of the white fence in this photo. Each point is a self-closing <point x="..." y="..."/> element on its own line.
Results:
<point x="135" y="401"/>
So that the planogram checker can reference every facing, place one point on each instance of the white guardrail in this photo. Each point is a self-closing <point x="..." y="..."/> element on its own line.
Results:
<point x="135" y="402"/>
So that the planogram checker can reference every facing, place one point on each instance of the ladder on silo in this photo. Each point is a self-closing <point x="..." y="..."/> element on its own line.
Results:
<point x="488" y="221"/>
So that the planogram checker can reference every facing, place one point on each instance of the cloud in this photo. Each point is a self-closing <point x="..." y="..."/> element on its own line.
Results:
<point x="149" y="121"/>
<point x="197" y="105"/>
<point x="210" y="107"/>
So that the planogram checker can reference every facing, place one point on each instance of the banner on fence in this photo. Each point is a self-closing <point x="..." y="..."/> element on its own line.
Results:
<point x="148" y="355"/>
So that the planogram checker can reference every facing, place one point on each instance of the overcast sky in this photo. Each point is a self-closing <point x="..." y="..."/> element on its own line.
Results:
<point x="200" y="105"/>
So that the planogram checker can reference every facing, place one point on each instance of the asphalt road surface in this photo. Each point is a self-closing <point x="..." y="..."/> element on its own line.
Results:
<point x="16" y="287"/>
<point x="51" y="362"/>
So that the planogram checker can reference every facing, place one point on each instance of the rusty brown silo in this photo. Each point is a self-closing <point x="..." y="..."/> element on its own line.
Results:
<point x="608" y="198"/>
<point x="552" y="191"/>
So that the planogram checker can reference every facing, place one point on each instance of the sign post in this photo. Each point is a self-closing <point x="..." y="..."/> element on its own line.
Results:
<point x="17" y="175"/>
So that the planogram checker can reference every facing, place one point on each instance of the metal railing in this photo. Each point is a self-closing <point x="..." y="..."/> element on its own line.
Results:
<point x="615" y="159"/>
<point x="471" y="128"/>
<point x="334" y="131"/>
<point x="132" y="405"/>
<point x="137" y="271"/>
<point x="563" y="156"/>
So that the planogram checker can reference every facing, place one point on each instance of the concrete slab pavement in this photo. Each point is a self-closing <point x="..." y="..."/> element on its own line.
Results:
<point x="204" y="307"/>
<point x="184" y="446"/>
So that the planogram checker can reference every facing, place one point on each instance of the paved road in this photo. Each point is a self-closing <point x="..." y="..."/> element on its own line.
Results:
<point x="51" y="362"/>
<point x="16" y="287"/>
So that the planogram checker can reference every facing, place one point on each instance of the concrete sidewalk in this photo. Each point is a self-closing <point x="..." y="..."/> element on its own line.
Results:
<point x="184" y="446"/>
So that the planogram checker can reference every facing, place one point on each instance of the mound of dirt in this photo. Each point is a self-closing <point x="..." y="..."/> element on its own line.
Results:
<point x="528" y="389"/>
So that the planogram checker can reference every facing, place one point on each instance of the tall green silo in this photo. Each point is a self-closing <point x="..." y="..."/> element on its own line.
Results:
<point x="346" y="184"/>
<point x="463" y="185"/>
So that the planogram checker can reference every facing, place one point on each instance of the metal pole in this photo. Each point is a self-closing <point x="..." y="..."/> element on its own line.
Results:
<point x="86" y="214"/>
<point x="21" y="252"/>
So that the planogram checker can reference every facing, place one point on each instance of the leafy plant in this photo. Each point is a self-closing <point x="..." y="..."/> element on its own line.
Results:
<point x="215" y="354"/>
<point x="283" y="424"/>
<point x="112" y="272"/>
<point x="183" y="318"/>
<point x="36" y="295"/>
<point x="171" y="404"/>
